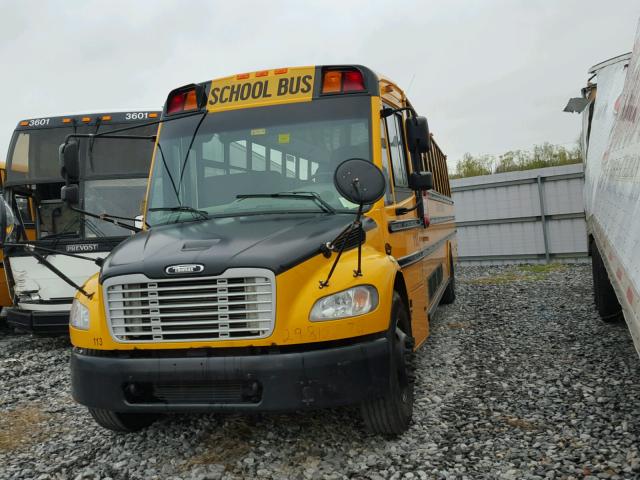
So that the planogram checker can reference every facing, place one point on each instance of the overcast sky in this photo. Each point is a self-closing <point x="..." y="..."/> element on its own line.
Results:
<point x="490" y="75"/>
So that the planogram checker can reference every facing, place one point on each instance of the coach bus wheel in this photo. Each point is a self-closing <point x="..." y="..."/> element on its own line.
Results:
<point x="122" y="422"/>
<point x="604" y="295"/>
<point x="391" y="414"/>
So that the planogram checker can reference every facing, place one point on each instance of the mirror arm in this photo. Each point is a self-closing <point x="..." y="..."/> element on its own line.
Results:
<point x="403" y="210"/>
<point x="109" y="218"/>
<point x="388" y="111"/>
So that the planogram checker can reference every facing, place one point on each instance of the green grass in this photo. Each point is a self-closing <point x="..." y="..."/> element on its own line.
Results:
<point x="521" y="273"/>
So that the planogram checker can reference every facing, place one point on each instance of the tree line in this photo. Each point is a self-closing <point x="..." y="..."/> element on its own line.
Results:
<point x="540" y="156"/>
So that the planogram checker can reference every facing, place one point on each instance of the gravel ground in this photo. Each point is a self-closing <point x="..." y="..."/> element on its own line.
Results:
<point x="519" y="379"/>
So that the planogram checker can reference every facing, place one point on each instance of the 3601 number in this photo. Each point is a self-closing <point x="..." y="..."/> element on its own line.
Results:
<point x="136" y="115"/>
<point x="38" y="122"/>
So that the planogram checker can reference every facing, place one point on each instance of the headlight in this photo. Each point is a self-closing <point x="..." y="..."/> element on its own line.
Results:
<point x="348" y="303"/>
<point x="79" y="316"/>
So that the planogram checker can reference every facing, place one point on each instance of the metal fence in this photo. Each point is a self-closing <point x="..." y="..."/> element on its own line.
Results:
<point x="533" y="216"/>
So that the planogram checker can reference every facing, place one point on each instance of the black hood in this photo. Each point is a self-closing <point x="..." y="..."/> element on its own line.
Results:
<point x="275" y="242"/>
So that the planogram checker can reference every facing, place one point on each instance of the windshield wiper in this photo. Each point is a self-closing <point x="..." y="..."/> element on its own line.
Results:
<point x="201" y="214"/>
<point x="324" y="206"/>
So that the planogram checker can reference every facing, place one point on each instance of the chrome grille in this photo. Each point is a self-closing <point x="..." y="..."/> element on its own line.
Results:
<point x="236" y="305"/>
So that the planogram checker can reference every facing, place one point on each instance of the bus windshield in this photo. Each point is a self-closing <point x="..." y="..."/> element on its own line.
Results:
<point x="113" y="177"/>
<point x="205" y="164"/>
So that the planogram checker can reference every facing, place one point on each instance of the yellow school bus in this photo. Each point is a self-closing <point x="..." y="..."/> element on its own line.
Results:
<point x="299" y="233"/>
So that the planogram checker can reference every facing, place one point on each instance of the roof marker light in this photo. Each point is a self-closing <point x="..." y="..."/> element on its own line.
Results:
<point x="86" y="119"/>
<point x="66" y="120"/>
<point x="106" y="117"/>
<point x="280" y="71"/>
<point x="263" y="73"/>
<point x="242" y="76"/>
<point x="24" y="123"/>
<point x="153" y="115"/>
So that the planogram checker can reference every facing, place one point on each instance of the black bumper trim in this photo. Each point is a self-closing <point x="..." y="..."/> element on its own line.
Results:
<point x="51" y="323"/>
<point x="286" y="381"/>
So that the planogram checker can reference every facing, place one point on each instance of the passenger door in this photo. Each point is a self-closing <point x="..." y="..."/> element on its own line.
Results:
<point x="405" y="229"/>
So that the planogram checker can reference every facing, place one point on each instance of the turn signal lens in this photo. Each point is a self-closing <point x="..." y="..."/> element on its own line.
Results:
<point x="332" y="82"/>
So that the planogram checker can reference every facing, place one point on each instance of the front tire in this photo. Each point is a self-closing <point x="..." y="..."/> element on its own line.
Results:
<point x="391" y="414"/>
<point x="122" y="422"/>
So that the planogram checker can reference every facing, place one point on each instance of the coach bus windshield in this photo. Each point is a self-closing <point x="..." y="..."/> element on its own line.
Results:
<point x="207" y="162"/>
<point x="113" y="178"/>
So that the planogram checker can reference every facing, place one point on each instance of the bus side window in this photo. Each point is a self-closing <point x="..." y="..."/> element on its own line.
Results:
<point x="386" y="170"/>
<point x="398" y="157"/>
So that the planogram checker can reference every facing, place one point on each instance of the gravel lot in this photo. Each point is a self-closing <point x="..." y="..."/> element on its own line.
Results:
<point x="519" y="379"/>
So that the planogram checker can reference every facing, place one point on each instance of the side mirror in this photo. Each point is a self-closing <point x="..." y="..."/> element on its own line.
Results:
<point x="420" y="181"/>
<point x="68" y="153"/>
<point x="70" y="194"/>
<point x="418" y="136"/>
<point x="359" y="181"/>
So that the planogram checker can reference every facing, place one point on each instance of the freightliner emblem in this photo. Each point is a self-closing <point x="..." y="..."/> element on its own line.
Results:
<point x="185" y="268"/>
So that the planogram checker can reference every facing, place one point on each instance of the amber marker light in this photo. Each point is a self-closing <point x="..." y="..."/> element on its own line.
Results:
<point x="153" y="115"/>
<point x="106" y="117"/>
<point x="280" y="71"/>
<point x="66" y="120"/>
<point x="332" y="82"/>
<point x="263" y="73"/>
<point x="191" y="101"/>
<point x="86" y="119"/>
<point x="24" y="123"/>
<point x="242" y="76"/>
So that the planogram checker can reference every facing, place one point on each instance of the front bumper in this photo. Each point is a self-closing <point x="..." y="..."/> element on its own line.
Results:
<point x="314" y="378"/>
<point x="49" y="323"/>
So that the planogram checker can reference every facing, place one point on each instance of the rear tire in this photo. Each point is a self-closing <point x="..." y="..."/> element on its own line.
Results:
<point x="391" y="414"/>
<point x="603" y="293"/>
<point x="449" y="295"/>
<point x="122" y="422"/>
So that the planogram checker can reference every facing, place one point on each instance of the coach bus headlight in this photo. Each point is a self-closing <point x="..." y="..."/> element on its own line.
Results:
<point x="79" y="316"/>
<point x="348" y="303"/>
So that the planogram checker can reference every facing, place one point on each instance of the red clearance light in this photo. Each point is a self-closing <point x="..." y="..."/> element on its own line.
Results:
<point x="352" y="81"/>
<point x="280" y="71"/>
<point x="263" y="73"/>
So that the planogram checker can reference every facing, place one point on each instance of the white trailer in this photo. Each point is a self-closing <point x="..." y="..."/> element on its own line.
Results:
<point x="610" y="106"/>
